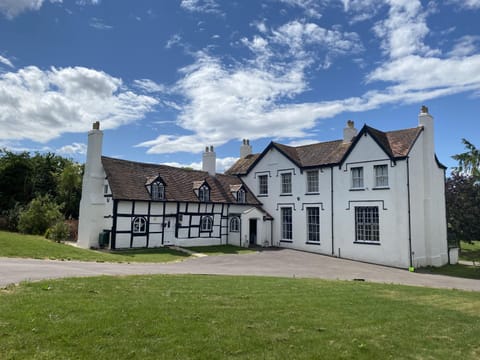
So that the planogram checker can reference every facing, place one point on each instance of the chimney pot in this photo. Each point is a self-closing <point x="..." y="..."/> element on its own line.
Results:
<point x="349" y="132"/>
<point x="96" y="125"/>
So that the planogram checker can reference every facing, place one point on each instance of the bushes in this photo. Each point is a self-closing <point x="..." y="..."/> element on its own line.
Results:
<point x="40" y="214"/>
<point x="58" y="232"/>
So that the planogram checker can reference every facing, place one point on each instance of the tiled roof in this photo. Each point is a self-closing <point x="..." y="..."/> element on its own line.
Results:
<point x="127" y="181"/>
<point x="242" y="165"/>
<point x="396" y="144"/>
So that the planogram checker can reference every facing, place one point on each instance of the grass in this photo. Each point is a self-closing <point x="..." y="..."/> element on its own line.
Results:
<point x="457" y="270"/>
<point x="220" y="250"/>
<point x="470" y="251"/>
<point x="37" y="247"/>
<point x="219" y="317"/>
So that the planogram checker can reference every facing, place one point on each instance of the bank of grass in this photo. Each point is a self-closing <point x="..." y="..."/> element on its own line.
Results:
<point x="219" y="317"/>
<point x="470" y="251"/>
<point x="37" y="247"/>
<point x="457" y="270"/>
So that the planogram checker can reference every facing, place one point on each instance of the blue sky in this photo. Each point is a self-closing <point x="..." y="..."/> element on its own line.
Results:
<point x="167" y="78"/>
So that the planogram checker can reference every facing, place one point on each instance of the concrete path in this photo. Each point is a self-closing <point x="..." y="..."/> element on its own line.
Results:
<point x="282" y="263"/>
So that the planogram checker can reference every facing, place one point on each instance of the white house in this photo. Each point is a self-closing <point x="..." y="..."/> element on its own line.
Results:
<point x="372" y="196"/>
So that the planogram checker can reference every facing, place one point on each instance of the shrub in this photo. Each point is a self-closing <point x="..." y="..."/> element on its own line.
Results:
<point x="40" y="214"/>
<point x="12" y="216"/>
<point x="58" y="232"/>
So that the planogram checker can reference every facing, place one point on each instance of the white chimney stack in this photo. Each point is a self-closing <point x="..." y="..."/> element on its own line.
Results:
<point x="92" y="201"/>
<point x="245" y="149"/>
<point x="349" y="132"/>
<point x="209" y="161"/>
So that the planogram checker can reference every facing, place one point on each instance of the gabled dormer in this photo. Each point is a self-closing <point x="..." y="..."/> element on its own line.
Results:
<point x="202" y="190"/>
<point x="156" y="188"/>
<point x="239" y="193"/>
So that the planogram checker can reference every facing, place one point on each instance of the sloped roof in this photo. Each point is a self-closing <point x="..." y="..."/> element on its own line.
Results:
<point x="127" y="181"/>
<point x="396" y="144"/>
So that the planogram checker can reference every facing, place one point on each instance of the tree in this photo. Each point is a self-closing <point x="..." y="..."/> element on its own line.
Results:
<point x="463" y="207"/>
<point x="70" y="189"/>
<point x="40" y="214"/>
<point x="469" y="161"/>
<point x="15" y="174"/>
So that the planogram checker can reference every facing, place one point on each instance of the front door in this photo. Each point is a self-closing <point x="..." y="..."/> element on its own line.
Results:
<point x="253" y="232"/>
<point x="169" y="231"/>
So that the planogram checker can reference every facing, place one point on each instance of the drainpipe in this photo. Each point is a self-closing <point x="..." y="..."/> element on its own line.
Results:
<point x="331" y="206"/>
<point x="409" y="215"/>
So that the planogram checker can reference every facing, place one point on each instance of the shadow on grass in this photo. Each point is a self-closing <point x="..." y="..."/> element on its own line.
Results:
<point x="457" y="270"/>
<point x="220" y="249"/>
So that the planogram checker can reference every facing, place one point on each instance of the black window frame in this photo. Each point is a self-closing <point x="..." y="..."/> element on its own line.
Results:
<point x="234" y="220"/>
<point x="263" y="185"/>
<point x="286" y="216"/>
<point x="286" y="185"/>
<point x="313" y="236"/>
<point x="367" y="224"/>
<point x="205" y="220"/>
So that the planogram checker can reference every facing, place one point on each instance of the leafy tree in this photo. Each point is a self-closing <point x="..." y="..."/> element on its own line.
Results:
<point x="469" y="161"/>
<point x="15" y="173"/>
<point x="463" y="206"/>
<point x="69" y="189"/>
<point x="40" y="214"/>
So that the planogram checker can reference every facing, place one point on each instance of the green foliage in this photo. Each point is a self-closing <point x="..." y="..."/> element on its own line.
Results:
<point x="40" y="214"/>
<point x="463" y="207"/>
<point x="224" y="317"/>
<point x="12" y="216"/>
<point x="58" y="232"/>
<point x="469" y="161"/>
<point x="24" y="177"/>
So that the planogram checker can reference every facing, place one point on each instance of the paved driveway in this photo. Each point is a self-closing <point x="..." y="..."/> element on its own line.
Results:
<point x="283" y="263"/>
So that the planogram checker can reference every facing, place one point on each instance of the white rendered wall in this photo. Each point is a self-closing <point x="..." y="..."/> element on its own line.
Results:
<point x="92" y="203"/>
<point x="392" y="203"/>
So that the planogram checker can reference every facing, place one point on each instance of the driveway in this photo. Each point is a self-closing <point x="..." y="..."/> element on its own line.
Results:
<point x="281" y="263"/>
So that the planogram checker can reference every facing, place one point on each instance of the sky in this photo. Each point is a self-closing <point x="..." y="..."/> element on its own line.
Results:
<point x="167" y="78"/>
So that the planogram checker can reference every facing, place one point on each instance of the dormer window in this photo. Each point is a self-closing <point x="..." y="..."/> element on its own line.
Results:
<point x="202" y="190"/>
<point x="204" y="193"/>
<point x="241" y="196"/>
<point x="156" y="188"/>
<point x="238" y="192"/>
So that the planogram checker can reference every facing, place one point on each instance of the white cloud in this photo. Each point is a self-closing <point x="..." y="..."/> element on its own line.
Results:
<point x="466" y="45"/>
<point x="149" y="86"/>
<point x="174" y="40"/>
<point x="467" y="4"/>
<point x="5" y="61"/>
<point x="12" y="8"/>
<point x="205" y="6"/>
<point x="403" y="32"/>
<point x="361" y="10"/>
<point x="72" y="149"/>
<point x="40" y="104"/>
<point x="256" y="98"/>
<point x="221" y="164"/>
<point x="99" y="24"/>
<point x="310" y="7"/>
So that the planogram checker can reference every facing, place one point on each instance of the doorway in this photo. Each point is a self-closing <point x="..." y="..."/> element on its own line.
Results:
<point x="252" y="232"/>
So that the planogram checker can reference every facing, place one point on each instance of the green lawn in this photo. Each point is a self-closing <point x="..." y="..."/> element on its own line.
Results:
<point x="219" y="317"/>
<point x="470" y="251"/>
<point x="37" y="247"/>
<point x="220" y="250"/>
<point x="457" y="270"/>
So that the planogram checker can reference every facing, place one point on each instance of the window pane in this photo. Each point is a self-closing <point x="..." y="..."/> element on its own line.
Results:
<point x="312" y="181"/>
<point x="367" y="223"/>
<point x="357" y="177"/>
<point x="313" y="224"/>
<point x="286" y="214"/>
<point x="381" y="175"/>
<point x="286" y="183"/>
<point x="263" y="184"/>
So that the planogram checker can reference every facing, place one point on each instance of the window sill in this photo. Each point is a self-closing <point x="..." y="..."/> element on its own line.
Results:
<point x="312" y="193"/>
<point x="286" y="241"/>
<point x="357" y="189"/>
<point x="289" y="194"/>
<point x="381" y="188"/>
<point x="312" y="243"/>
<point x="367" y="242"/>
<point x="262" y="195"/>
